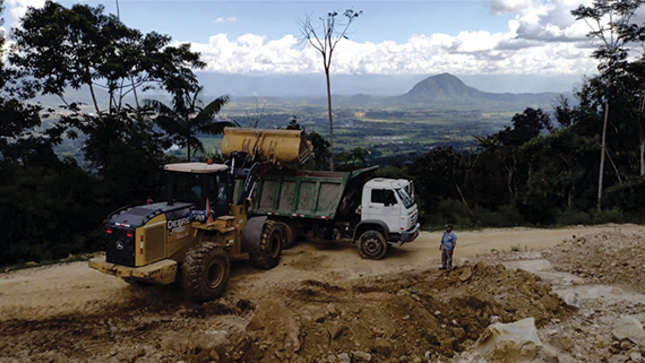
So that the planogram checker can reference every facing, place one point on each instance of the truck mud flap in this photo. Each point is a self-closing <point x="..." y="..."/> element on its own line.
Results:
<point x="252" y="233"/>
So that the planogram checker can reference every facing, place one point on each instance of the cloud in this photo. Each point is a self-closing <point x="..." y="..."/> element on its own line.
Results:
<point x="18" y="8"/>
<point x="230" y="19"/>
<point x="542" y="38"/>
<point x="466" y="53"/>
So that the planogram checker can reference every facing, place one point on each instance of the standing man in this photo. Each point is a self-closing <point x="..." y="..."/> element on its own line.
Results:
<point x="447" y="247"/>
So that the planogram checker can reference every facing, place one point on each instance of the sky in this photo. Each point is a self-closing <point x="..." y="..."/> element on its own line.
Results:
<point x="471" y="38"/>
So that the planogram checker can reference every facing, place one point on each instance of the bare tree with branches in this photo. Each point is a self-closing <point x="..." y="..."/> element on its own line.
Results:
<point x="609" y="21"/>
<point x="324" y="39"/>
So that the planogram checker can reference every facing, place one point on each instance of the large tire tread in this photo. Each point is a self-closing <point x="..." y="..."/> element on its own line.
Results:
<point x="195" y="271"/>
<point x="372" y="245"/>
<point x="268" y="255"/>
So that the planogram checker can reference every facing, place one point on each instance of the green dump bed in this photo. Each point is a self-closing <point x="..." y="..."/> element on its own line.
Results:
<point x="305" y="194"/>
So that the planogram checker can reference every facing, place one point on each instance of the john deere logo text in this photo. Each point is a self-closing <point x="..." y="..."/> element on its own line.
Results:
<point x="176" y="223"/>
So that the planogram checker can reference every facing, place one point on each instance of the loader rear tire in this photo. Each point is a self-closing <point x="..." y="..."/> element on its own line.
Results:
<point x="270" y="249"/>
<point x="372" y="245"/>
<point x="204" y="272"/>
<point x="289" y="235"/>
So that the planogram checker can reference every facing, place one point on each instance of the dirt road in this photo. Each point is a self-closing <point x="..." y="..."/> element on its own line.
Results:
<point x="73" y="288"/>
<point x="312" y="274"/>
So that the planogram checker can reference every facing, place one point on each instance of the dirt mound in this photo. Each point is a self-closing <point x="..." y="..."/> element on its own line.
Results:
<point x="414" y="315"/>
<point x="609" y="258"/>
<point x="403" y="317"/>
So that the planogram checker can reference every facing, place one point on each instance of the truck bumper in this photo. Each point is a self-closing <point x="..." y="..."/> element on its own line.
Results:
<point x="407" y="236"/>
<point x="412" y="234"/>
<point x="161" y="272"/>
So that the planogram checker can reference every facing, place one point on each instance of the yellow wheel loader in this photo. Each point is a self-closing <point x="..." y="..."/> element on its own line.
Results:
<point x="191" y="237"/>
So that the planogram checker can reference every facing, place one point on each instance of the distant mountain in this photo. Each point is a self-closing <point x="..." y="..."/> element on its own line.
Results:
<point x="447" y="91"/>
<point x="442" y="87"/>
<point x="441" y="92"/>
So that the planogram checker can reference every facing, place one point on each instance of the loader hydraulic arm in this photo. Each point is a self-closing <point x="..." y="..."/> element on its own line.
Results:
<point x="249" y="173"/>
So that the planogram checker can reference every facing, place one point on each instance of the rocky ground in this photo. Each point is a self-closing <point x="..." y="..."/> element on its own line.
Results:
<point x="600" y="277"/>
<point x="327" y="305"/>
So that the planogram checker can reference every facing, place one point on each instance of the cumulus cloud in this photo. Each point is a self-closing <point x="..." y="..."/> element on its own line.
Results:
<point x="230" y="19"/>
<point x="542" y="38"/>
<point x="18" y="8"/>
<point x="466" y="53"/>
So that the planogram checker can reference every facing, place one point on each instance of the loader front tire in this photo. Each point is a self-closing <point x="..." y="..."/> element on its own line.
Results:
<point x="204" y="272"/>
<point x="372" y="245"/>
<point x="270" y="249"/>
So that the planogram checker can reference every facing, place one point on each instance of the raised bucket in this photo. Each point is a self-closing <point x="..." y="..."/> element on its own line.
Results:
<point x="279" y="147"/>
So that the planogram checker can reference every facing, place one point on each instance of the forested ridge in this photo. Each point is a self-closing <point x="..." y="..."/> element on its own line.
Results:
<point x="542" y="170"/>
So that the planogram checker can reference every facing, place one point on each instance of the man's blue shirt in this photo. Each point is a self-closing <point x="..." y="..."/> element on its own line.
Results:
<point x="449" y="240"/>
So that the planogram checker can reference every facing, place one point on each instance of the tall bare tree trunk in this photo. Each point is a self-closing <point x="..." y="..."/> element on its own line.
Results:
<point x="89" y="83"/>
<point x="641" y="107"/>
<point x="642" y="154"/>
<point x="331" y="122"/>
<point x="602" y="154"/>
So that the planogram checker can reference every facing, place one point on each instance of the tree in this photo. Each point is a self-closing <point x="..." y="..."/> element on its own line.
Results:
<point x="187" y="118"/>
<point x="325" y="41"/>
<point x="564" y="113"/>
<point x="322" y="155"/>
<point x="83" y="47"/>
<point x="608" y="20"/>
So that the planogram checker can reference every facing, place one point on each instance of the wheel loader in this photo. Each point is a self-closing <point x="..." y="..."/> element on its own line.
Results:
<point x="191" y="237"/>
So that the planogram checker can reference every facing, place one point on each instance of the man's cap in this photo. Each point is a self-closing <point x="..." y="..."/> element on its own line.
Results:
<point x="449" y="225"/>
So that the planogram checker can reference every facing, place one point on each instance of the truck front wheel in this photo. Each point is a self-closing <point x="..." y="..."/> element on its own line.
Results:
<point x="204" y="272"/>
<point x="270" y="249"/>
<point x="372" y="245"/>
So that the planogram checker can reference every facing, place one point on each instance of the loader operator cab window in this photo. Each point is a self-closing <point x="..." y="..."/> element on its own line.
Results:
<point x="188" y="187"/>
<point x="218" y="194"/>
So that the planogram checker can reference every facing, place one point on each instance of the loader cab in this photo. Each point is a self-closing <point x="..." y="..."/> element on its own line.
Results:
<point x="196" y="183"/>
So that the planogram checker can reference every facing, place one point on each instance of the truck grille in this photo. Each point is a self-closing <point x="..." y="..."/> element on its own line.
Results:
<point x="120" y="248"/>
<point x="414" y="218"/>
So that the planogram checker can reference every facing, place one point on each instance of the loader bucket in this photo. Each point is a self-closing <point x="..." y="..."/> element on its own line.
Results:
<point x="279" y="147"/>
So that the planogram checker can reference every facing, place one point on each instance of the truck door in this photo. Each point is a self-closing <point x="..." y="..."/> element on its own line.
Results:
<point x="383" y="206"/>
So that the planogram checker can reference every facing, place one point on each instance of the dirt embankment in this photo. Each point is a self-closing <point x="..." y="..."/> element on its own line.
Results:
<point x="406" y="316"/>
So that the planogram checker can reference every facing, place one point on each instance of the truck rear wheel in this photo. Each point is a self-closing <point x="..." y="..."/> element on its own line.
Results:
<point x="270" y="247"/>
<point x="372" y="245"/>
<point x="289" y="235"/>
<point x="204" y="272"/>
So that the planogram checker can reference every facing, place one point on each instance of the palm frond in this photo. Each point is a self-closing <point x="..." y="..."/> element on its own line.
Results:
<point x="207" y="113"/>
<point x="215" y="128"/>
<point x="196" y="144"/>
<point x="170" y="125"/>
<point x="159" y="107"/>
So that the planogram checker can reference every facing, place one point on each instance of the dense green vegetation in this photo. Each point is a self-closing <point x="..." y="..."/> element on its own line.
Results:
<point x="62" y="171"/>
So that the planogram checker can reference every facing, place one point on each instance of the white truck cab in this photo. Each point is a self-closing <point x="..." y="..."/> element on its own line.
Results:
<point x="392" y="203"/>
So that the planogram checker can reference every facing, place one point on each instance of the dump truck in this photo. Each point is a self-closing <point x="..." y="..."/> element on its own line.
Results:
<point x="373" y="213"/>
<point x="191" y="237"/>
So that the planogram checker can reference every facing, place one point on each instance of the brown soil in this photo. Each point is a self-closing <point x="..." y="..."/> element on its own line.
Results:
<point x="322" y="303"/>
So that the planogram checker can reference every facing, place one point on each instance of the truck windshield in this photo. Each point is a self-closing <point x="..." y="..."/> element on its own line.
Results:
<point x="406" y="199"/>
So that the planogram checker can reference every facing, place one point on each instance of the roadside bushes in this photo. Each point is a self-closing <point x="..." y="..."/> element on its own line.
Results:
<point x="47" y="211"/>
